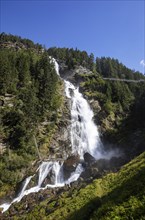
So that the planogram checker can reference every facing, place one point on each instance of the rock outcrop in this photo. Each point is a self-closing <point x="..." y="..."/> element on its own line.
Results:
<point x="70" y="165"/>
<point x="73" y="75"/>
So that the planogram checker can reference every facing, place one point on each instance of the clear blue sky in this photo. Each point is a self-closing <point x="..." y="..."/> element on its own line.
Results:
<point x="105" y="28"/>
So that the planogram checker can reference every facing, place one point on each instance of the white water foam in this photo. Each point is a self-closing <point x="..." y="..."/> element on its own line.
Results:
<point x="84" y="138"/>
<point x="56" y="66"/>
<point x="84" y="133"/>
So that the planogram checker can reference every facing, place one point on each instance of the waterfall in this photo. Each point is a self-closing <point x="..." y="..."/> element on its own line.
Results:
<point x="84" y="133"/>
<point x="84" y="138"/>
<point x="75" y="175"/>
<point x="44" y="169"/>
<point x="6" y="206"/>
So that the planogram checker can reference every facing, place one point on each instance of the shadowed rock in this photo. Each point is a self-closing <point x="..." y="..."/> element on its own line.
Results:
<point x="70" y="165"/>
<point x="89" y="159"/>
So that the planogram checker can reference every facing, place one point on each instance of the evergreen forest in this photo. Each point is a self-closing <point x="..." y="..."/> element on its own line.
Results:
<point x="34" y="109"/>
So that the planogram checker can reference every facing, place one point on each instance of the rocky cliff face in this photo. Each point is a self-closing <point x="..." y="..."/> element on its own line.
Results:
<point x="106" y="123"/>
<point x="73" y="75"/>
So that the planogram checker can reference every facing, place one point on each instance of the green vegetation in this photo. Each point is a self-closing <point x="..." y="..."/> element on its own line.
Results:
<point x="111" y="197"/>
<point x="116" y="196"/>
<point x="16" y="42"/>
<point x="72" y="57"/>
<point x="29" y="96"/>
<point x="109" y="67"/>
<point x="121" y="103"/>
<point x="122" y="110"/>
<point x="30" y="103"/>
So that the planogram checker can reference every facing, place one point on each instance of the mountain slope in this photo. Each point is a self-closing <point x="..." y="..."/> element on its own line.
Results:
<point x="31" y="103"/>
<point x="33" y="106"/>
<point x="115" y="196"/>
<point x="118" y="106"/>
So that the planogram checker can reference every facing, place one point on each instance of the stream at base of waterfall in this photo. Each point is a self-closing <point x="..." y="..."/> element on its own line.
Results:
<point x="84" y="139"/>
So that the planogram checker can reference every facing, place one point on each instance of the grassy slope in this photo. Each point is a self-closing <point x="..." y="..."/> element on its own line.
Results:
<point x="116" y="196"/>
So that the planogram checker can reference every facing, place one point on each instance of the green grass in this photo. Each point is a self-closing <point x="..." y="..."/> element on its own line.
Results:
<point x="115" y="196"/>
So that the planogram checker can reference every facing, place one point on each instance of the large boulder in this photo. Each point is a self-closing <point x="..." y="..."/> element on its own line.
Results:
<point x="88" y="159"/>
<point x="70" y="165"/>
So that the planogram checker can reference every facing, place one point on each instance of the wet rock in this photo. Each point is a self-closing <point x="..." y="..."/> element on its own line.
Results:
<point x="75" y="184"/>
<point x="70" y="165"/>
<point x="89" y="159"/>
<point x="50" y="179"/>
<point x="71" y="92"/>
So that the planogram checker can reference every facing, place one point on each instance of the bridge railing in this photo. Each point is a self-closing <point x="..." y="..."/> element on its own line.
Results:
<point x="124" y="80"/>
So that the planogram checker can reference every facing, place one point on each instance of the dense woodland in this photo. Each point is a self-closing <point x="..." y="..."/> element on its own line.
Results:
<point x="17" y="41"/>
<point x="31" y="93"/>
<point x="29" y="96"/>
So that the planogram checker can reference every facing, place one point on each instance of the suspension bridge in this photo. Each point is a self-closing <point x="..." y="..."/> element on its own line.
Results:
<point x="125" y="80"/>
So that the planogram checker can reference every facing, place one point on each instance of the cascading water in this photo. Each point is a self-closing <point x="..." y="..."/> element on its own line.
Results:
<point x="6" y="206"/>
<point x="84" y="138"/>
<point x="84" y="133"/>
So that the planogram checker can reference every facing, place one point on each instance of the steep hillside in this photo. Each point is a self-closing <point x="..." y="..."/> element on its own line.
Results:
<point x="36" y="125"/>
<point x="119" y="110"/>
<point x="31" y="109"/>
<point x="115" y="196"/>
<point x="118" y="106"/>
